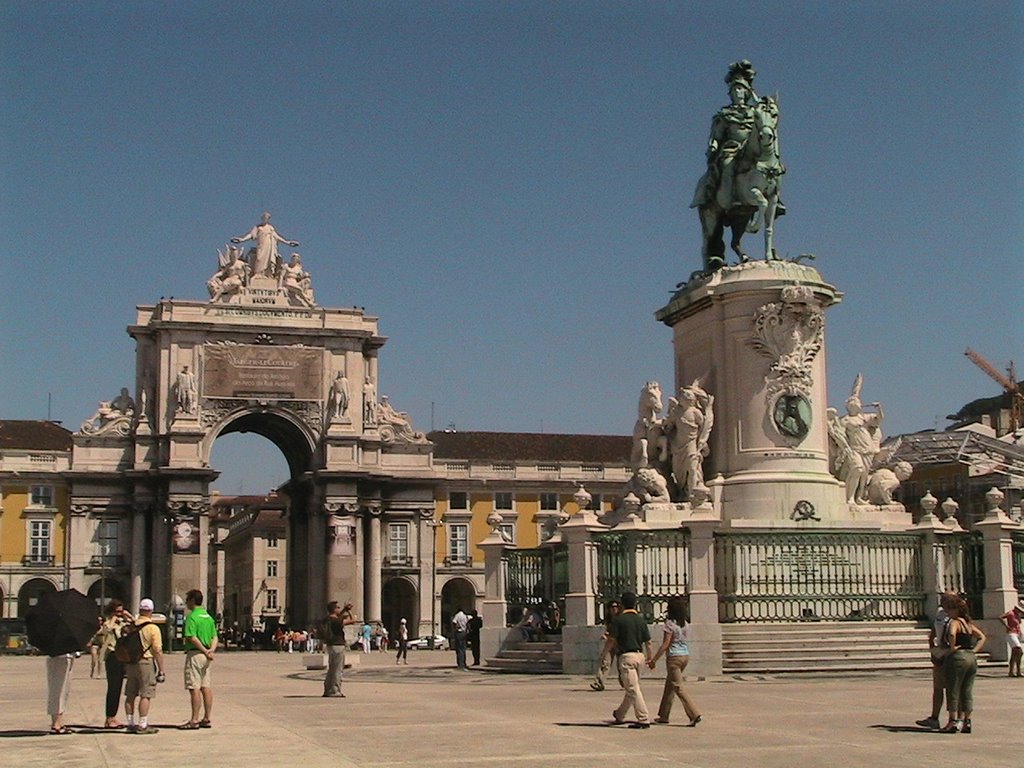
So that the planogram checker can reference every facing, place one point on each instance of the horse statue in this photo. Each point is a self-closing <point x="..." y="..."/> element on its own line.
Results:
<point x="751" y="202"/>
<point x="650" y="446"/>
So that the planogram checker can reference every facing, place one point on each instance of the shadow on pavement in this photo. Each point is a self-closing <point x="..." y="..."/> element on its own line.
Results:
<point x="903" y="728"/>
<point x="20" y="734"/>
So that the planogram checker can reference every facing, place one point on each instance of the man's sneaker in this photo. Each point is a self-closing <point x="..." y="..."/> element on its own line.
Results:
<point x="131" y="727"/>
<point x="929" y="722"/>
<point x="144" y="731"/>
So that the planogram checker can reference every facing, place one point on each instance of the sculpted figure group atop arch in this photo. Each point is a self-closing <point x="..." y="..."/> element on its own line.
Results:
<point x="261" y="266"/>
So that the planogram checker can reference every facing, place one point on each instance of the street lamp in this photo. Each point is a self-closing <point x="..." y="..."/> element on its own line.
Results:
<point x="433" y="525"/>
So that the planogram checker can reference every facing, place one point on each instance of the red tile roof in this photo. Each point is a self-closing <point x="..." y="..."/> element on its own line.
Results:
<point x="529" y="446"/>
<point x="34" y="435"/>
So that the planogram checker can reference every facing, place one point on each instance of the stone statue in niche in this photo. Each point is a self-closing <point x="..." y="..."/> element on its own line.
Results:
<point x="884" y="481"/>
<point x="230" y="278"/>
<point x="296" y="282"/>
<point x="741" y="186"/>
<point x="339" y="397"/>
<point x="116" y="415"/>
<point x="264" y="261"/>
<point x="369" y="402"/>
<point x="688" y="424"/>
<point x="185" y="391"/>
<point x="650" y="446"/>
<point x="856" y="440"/>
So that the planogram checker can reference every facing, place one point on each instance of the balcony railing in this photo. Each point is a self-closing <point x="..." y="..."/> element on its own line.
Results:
<point x="107" y="561"/>
<point x="38" y="561"/>
<point x="399" y="562"/>
<point x="459" y="561"/>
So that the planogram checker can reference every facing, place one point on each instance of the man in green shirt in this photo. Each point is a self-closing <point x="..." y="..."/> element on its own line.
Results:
<point x="200" y="645"/>
<point x="629" y="634"/>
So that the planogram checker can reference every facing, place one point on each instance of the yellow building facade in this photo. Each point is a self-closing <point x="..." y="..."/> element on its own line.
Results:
<point x="34" y="513"/>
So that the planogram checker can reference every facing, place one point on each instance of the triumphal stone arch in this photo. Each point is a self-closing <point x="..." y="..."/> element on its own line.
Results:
<point x="259" y="355"/>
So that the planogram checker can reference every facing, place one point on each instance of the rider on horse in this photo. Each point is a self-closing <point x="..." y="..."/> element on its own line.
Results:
<point x="740" y="188"/>
<point x="730" y="131"/>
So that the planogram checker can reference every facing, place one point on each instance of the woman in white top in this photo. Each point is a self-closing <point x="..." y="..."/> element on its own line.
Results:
<point x="676" y="645"/>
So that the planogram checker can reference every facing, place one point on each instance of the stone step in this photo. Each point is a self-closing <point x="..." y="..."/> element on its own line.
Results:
<point x="865" y="665"/>
<point x="531" y="655"/>
<point x="542" y="657"/>
<point x="524" y="666"/>
<point x="918" y="641"/>
<point x="818" y="627"/>
<point x="826" y="647"/>
<point x="812" y="656"/>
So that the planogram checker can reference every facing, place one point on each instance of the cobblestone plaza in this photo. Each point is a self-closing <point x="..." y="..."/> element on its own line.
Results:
<point x="269" y="712"/>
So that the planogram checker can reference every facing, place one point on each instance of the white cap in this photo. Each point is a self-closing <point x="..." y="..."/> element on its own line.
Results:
<point x="403" y="621"/>
<point x="145" y="604"/>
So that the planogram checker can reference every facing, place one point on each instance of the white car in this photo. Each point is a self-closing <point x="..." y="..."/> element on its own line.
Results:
<point x="423" y="643"/>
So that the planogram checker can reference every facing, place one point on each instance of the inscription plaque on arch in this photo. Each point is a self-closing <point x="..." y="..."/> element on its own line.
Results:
<point x="255" y="371"/>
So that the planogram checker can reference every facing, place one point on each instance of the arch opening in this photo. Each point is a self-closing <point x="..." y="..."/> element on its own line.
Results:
<point x="398" y="600"/>
<point x="456" y="594"/>
<point x="30" y="592"/>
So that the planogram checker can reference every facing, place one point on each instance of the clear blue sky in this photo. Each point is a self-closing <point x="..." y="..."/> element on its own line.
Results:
<point x="506" y="186"/>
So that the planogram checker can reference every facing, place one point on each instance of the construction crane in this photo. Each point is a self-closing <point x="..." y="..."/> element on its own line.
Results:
<point x="1008" y="382"/>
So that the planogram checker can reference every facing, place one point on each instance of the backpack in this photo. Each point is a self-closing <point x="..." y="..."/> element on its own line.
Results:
<point x="129" y="649"/>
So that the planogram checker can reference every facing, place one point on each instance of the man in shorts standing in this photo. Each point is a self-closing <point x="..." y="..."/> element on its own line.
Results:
<point x="200" y="645"/>
<point x="144" y="675"/>
<point x="1012" y="621"/>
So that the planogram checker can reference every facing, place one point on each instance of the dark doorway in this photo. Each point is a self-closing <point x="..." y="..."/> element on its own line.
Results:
<point x="456" y="594"/>
<point x="398" y="600"/>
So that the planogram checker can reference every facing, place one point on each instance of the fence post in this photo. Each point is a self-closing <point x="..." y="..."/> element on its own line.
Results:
<point x="932" y="566"/>
<point x="495" y="606"/>
<point x="706" y="647"/>
<point x="580" y="636"/>
<point x="999" y="595"/>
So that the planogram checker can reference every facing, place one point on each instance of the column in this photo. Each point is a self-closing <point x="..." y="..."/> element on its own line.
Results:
<point x="706" y="648"/>
<point x="577" y="533"/>
<point x="316" y="557"/>
<point x="999" y="595"/>
<point x="343" y="551"/>
<point x="932" y="565"/>
<point x="495" y="608"/>
<point x="138" y="554"/>
<point x="374" y="563"/>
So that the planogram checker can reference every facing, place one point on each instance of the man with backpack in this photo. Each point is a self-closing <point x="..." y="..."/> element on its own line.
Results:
<point x="142" y="650"/>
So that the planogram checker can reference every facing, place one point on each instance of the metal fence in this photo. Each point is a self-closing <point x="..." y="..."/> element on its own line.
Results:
<point x="1017" y="541"/>
<point x="652" y="564"/>
<point x="535" y="576"/>
<point x="961" y="567"/>
<point x="811" y="575"/>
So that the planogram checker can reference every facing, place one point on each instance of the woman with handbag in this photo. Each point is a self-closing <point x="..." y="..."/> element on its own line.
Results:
<point x="964" y="639"/>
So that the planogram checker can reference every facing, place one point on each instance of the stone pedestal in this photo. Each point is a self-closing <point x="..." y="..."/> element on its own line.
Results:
<point x="754" y="337"/>
<point x="495" y="607"/>
<point x="999" y="595"/>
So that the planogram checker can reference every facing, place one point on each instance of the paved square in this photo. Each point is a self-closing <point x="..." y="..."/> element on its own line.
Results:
<point x="269" y="712"/>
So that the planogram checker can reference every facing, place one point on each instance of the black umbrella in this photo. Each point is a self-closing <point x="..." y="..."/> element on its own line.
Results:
<point x="62" y="622"/>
